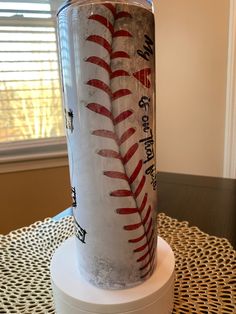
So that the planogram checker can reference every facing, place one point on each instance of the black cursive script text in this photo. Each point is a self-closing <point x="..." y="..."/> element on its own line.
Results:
<point x="152" y="172"/>
<point x="147" y="49"/>
<point x="148" y="146"/>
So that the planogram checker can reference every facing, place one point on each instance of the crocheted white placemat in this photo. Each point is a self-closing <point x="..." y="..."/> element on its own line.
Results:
<point x="205" y="267"/>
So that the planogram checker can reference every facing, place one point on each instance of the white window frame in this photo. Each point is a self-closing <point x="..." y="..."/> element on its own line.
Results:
<point x="33" y="154"/>
<point x="39" y="153"/>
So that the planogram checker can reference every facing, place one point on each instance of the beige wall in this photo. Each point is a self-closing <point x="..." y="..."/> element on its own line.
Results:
<point x="29" y="196"/>
<point x="191" y="64"/>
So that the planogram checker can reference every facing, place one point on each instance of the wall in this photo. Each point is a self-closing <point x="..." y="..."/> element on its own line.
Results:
<point x="29" y="196"/>
<point x="191" y="79"/>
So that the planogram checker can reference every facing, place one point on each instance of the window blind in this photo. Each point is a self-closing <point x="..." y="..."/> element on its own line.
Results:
<point x="30" y="100"/>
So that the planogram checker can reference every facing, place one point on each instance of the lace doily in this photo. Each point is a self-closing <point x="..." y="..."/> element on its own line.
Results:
<point x="205" y="267"/>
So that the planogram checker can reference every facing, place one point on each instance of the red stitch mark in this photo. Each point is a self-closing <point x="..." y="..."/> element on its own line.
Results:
<point x="140" y="259"/>
<point x="143" y="247"/>
<point x="122" y="116"/>
<point x="110" y="7"/>
<point x="109" y="153"/>
<point x="100" y="62"/>
<point x="133" y="227"/>
<point x="123" y="14"/>
<point x="152" y="264"/>
<point x="130" y="153"/>
<point x="100" y="85"/>
<point x="148" y="263"/>
<point x="119" y="73"/>
<point x="122" y="33"/>
<point x="120" y="93"/>
<point x="151" y="269"/>
<point x="147" y="216"/>
<point x="143" y="204"/>
<point x="127" y="211"/>
<point x="127" y="134"/>
<point x="136" y="172"/>
<point x="142" y="76"/>
<point x="136" y="240"/>
<point x="118" y="15"/>
<point x="100" y="41"/>
<point x="142" y="223"/>
<point x="152" y="234"/>
<point x="140" y="186"/>
<point x="121" y="193"/>
<point x="119" y="54"/>
<point x="100" y="110"/>
<point x="149" y="226"/>
<point x="106" y="134"/>
<point x="116" y="175"/>
<point x="102" y="20"/>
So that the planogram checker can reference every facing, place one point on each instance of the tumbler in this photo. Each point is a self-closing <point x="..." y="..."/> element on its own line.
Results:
<point x="107" y="61"/>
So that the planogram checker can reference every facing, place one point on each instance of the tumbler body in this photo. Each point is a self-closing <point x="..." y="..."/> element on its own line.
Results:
<point x="107" y="58"/>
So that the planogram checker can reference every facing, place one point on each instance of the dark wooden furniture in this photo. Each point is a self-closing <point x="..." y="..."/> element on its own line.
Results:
<point x="206" y="202"/>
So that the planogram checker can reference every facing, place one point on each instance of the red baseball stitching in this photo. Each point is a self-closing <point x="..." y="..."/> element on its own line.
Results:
<point x="146" y="221"/>
<point x="100" y="41"/>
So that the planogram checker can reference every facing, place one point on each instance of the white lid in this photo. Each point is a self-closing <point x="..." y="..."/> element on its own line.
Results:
<point x="75" y="291"/>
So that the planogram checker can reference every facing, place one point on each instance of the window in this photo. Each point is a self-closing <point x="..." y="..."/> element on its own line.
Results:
<point x="30" y="100"/>
<point x="31" y="126"/>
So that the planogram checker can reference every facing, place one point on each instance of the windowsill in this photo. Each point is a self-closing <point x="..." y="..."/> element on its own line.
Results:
<point x="33" y="154"/>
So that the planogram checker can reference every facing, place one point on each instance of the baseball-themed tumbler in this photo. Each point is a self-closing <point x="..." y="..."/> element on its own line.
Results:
<point x="107" y="60"/>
